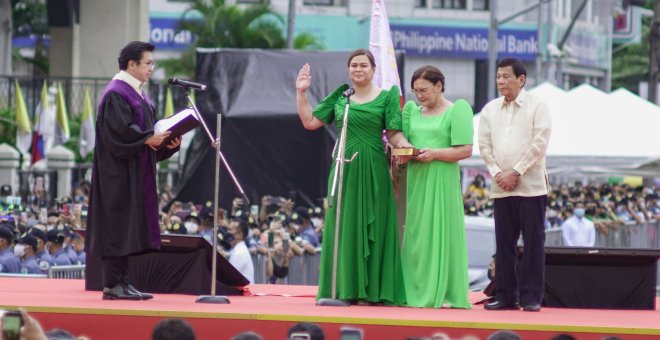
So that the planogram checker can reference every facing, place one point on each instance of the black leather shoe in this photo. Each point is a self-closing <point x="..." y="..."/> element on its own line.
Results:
<point x="144" y="296"/>
<point x="119" y="292"/>
<point x="497" y="305"/>
<point x="532" y="307"/>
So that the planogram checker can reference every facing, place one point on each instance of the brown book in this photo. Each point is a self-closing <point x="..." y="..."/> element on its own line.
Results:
<point x="405" y="152"/>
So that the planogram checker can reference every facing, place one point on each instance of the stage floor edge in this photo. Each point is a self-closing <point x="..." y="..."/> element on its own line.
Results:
<point x="272" y="309"/>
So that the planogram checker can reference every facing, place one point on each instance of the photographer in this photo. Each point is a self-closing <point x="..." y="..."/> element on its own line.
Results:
<point x="277" y="266"/>
<point x="306" y="236"/>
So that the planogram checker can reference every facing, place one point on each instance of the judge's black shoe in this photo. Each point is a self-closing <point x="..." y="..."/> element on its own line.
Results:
<point x="119" y="292"/>
<point x="497" y="305"/>
<point x="143" y="296"/>
<point x="532" y="307"/>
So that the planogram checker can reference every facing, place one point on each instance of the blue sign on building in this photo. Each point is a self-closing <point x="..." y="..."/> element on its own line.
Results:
<point x="163" y="34"/>
<point x="458" y="42"/>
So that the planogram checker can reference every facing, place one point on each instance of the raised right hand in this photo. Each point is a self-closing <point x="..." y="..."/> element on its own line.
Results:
<point x="304" y="80"/>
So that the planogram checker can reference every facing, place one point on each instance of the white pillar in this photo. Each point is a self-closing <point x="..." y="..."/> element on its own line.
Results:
<point x="61" y="160"/>
<point x="9" y="162"/>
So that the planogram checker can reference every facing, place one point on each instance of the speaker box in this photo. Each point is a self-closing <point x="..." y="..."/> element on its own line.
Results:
<point x="182" y="265"/>
<point x="606" y="278"/>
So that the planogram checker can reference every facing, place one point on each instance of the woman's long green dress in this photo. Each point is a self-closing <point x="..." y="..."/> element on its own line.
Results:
<point x="369" y="262"/>
<point x="434" y="254"/>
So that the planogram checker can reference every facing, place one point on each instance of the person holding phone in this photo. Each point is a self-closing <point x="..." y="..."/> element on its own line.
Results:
<point x="368" y="259"/>
<point x="123" y="203"/>
<point x="434" y="248"/>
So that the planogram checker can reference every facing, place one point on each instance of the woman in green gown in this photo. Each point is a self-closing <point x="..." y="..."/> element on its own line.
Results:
<point x="368" y="261"/>
<point x="434" y="254"/>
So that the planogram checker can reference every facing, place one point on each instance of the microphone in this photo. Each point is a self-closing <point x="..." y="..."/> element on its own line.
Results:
<point x="349" y="92"/>
<point x="185" y="83"/>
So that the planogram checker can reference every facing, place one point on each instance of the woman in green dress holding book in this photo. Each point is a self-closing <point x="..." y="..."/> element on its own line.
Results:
<point x="434" y="254"/>
<point x="368" y="262"/>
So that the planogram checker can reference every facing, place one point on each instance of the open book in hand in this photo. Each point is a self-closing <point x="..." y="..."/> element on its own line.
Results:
<point x="178" y="124"/>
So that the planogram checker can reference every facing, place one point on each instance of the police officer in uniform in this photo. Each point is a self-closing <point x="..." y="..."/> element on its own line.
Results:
<point x="58" y="252"/>
<point x="9" y="263"/>
<point x="25" y="249"/>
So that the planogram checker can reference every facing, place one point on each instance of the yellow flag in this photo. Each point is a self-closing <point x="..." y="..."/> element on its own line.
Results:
<point x="169" y="104"/>
<point x="23" y="125"/>
<point x="61" y="118"/>
<point x="87" y="132"/>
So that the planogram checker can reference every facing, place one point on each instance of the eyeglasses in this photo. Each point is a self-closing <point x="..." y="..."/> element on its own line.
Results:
<point x="421" y="91"/>
<point x="149" y="63"/>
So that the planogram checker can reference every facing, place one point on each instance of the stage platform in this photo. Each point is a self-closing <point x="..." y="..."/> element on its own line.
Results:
<point x="272" y="309"/>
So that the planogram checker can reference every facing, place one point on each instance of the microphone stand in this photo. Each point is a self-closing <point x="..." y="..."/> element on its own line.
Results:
<point x="218" y="156"/>
<point x="335" y="198"/>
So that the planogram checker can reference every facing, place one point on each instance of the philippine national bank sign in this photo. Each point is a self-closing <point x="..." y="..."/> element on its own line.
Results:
<point x="462" y="42"/>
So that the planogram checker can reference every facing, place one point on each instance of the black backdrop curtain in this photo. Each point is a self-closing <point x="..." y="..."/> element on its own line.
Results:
<point x="262" y="137"/>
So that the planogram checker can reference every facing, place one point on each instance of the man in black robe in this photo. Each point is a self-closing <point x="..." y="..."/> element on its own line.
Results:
<point x="123" y="207"/>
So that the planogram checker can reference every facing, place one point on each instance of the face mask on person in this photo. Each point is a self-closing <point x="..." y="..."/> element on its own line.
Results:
<point x="19" y="250"/>
<point x="191" y="227"/>
<point x="579" y="212"/>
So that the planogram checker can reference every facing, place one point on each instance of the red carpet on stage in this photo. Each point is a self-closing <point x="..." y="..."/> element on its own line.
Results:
<point x="274" y="308"/>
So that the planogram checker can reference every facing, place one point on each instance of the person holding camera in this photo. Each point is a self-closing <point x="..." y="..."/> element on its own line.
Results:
<point x="368" y="268"/>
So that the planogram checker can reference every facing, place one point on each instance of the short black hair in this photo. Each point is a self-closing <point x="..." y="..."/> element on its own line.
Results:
<point x="173" y="329"/>
<point x="243" y="228"/>
<point x="517" y="66"/>
<point x="133" y="51"/>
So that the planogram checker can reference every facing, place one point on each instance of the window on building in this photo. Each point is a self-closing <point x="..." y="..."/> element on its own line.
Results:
<point x="480" y="5"/>
<point x="324" y="2"/>
<point x="420" y="3"/>
<point x="450" y="4"/>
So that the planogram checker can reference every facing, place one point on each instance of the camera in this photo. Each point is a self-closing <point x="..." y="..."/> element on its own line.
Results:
<point x="12" y="321"/>
<point x="349" y="333"/>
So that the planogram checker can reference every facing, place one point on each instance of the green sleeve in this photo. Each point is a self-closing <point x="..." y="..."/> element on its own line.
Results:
<point x="405" y="117"/>
<point x="393" y="109"/>
<point x="325" y="111"/>
<point x="462" y="130"/>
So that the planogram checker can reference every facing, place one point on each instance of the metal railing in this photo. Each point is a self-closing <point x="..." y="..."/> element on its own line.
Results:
<point x="303" y="270"/>
<point x="67" y="272"/>
<point x="74" y="91"/>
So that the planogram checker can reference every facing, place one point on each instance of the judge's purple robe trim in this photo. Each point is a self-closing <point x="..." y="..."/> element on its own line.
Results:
<point x="123" y="217"/>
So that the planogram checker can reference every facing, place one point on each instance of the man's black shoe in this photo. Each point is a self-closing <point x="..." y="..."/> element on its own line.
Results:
<point x="532" y="307"/>
<point x="119" y="292"/>
<point x="497" y="305"/>
<point x="144" y="296"/>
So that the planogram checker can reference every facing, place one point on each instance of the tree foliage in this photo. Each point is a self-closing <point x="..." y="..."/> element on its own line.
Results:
<point x="216" y="24"/>
<point x="29" y="18"/>
<point x="630" y="63"/>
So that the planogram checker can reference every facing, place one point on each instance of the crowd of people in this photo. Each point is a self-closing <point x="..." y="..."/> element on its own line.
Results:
<point x="36" y="234"/>
<point x="607" y="205"/>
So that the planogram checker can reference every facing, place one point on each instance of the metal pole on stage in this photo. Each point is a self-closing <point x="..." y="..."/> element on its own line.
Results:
<point x="218" y="157"/>
<point x="213" y="298"/>
<point x="337" y="187"/>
